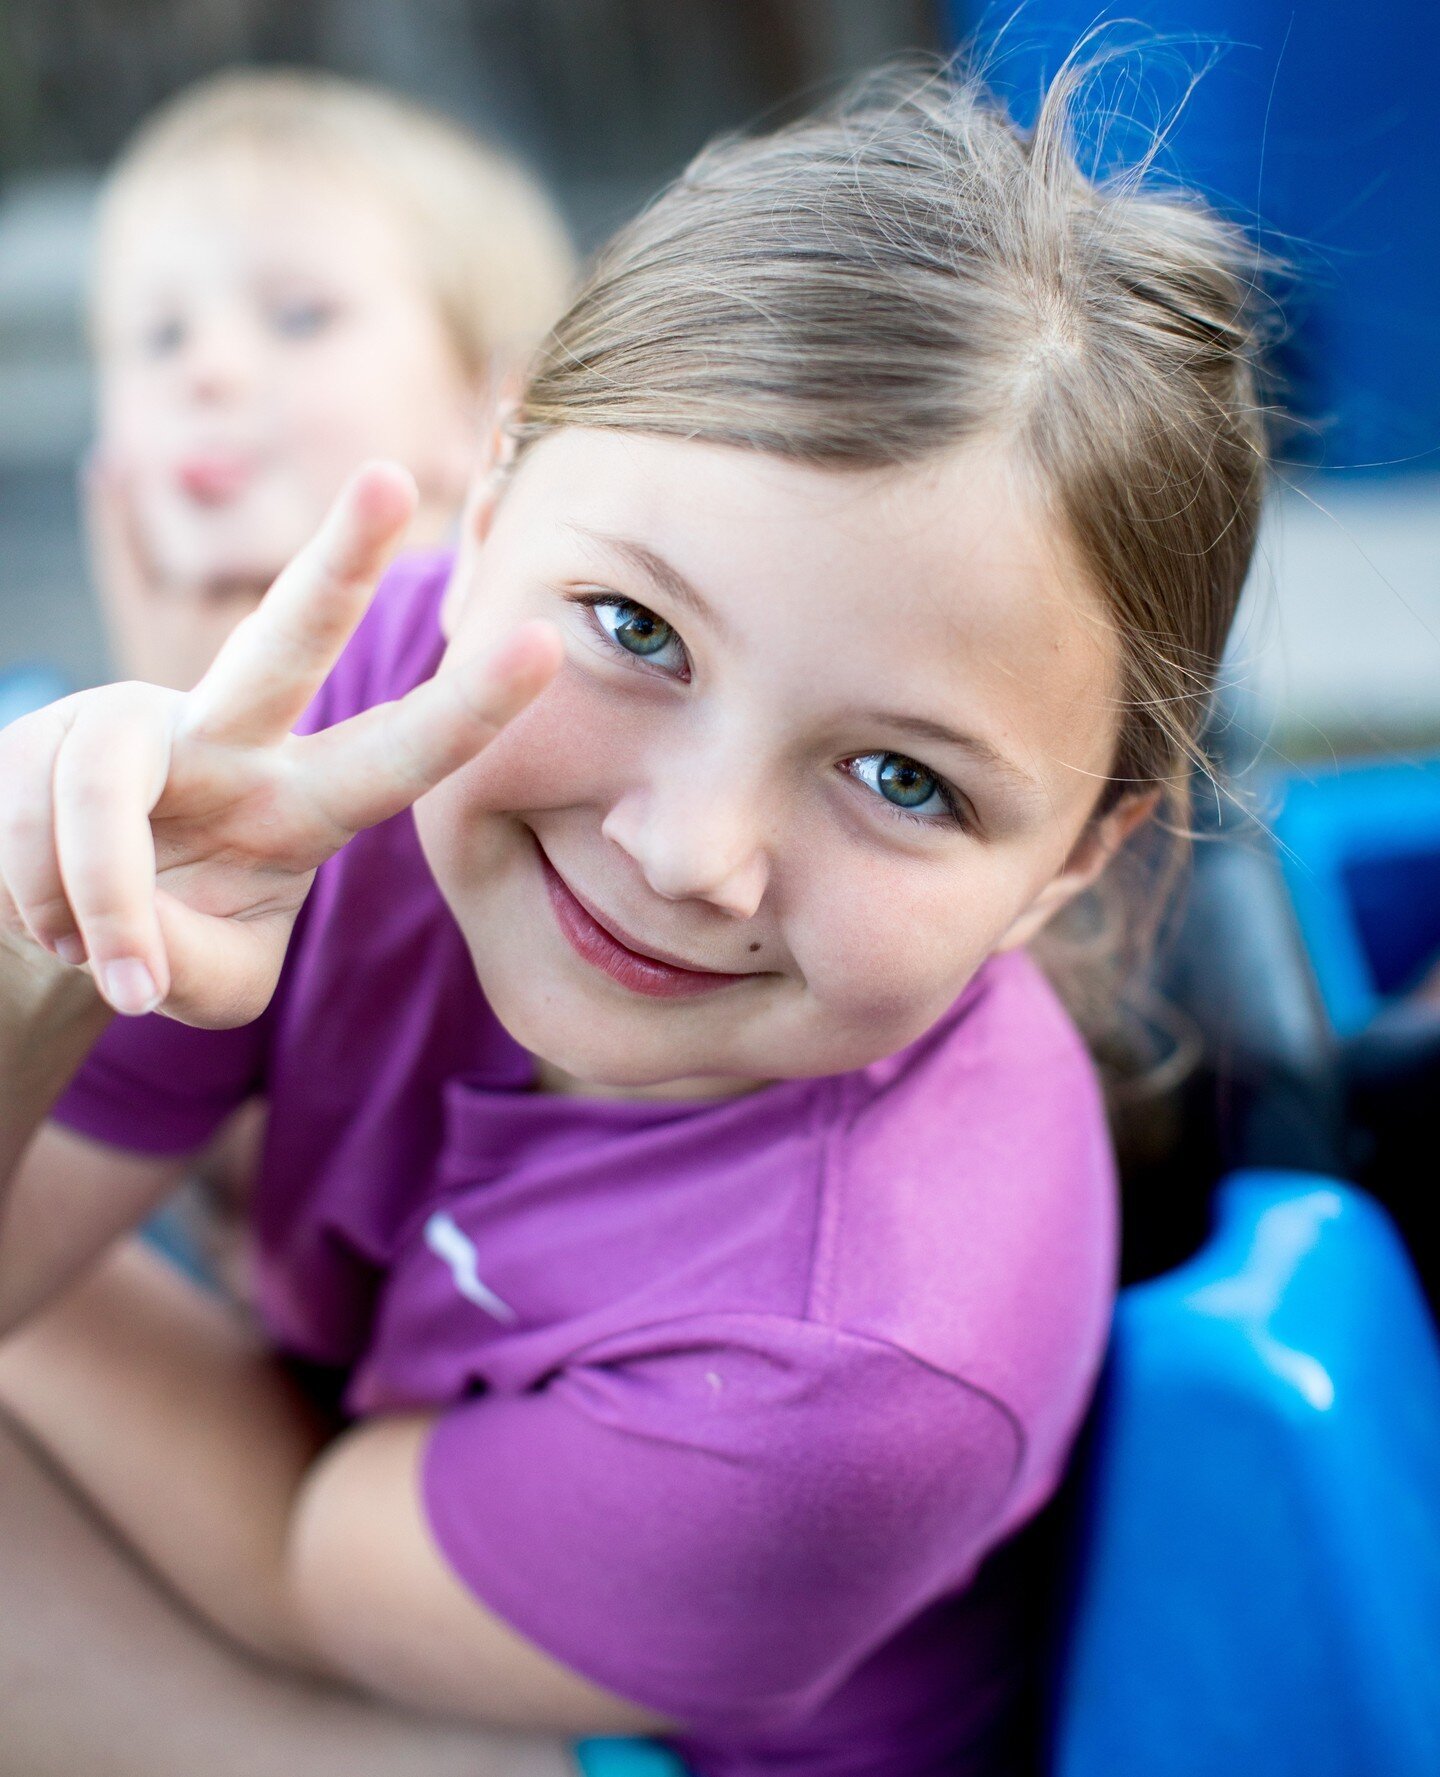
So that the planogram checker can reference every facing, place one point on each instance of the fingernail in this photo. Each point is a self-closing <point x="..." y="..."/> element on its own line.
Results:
<point x="129" y="986"/>
<point x="70" y="950"/>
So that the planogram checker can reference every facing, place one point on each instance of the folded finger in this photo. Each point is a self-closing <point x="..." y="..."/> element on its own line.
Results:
<point x="29" y="863"/>
<point x="369" y="768"/>
<point x="109" y="773"/>
<point x="276" y="659"/>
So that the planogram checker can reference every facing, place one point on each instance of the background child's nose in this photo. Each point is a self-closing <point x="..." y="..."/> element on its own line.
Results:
<point x="219" y="359"/>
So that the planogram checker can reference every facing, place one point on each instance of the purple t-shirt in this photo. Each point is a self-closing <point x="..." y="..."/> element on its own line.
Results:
<point x="734" y="1396"/>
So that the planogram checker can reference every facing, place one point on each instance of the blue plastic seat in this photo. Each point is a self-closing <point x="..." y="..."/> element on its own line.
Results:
<point x="1257" y="1581"/>
<point x="1360" y="848"/>
<point x="1256" y="1553"/>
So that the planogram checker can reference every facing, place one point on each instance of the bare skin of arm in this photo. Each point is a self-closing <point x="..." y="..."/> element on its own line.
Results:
<point x="104" y="1671"/>
<point x="65" y="1198"/>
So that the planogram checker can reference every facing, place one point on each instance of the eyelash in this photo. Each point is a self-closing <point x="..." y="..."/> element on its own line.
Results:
<point x="958" y="810"/>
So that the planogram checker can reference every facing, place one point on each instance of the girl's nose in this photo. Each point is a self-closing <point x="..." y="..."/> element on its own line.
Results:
<point x="695" y="842"/>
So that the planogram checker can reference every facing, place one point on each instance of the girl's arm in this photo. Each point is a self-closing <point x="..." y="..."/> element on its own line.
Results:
<point x="61" y="1198"/>
<point x="191" y="1441"/>
<point x="102" y="1671"/>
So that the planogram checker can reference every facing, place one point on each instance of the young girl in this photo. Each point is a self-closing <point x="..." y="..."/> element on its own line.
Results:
<point x="677" y="1161"/>
<point x="292" y="273"/>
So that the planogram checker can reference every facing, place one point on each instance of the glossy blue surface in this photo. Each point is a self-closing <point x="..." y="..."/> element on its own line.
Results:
<point x="627" y="1758"/>
<point x="1360" y="849"/>
<point x="1257" y="1586"/>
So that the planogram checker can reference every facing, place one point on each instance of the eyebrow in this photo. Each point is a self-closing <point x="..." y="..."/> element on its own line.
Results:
<point x="980" y="750"/>
<point x="658" y="572"/>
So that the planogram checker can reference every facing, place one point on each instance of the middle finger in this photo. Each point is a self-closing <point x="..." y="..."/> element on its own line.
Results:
<point x="276" y="659"/>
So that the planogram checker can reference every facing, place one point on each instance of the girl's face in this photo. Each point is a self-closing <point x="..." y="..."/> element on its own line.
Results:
<point x="259" y="333"/>
<point x="827" y="739"/>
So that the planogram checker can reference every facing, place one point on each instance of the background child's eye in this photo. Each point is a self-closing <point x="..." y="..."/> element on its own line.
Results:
<point x="302" y="320"/>
<point x="163" y="338"/>
<point x="909" y="787"/>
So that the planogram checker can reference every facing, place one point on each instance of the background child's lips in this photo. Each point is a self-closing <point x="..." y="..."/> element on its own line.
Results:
<point x="215" y="477"/>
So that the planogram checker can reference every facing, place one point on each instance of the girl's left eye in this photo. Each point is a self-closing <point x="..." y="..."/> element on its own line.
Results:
<point x="636" y="630"/>
<point x="912" y="790"/>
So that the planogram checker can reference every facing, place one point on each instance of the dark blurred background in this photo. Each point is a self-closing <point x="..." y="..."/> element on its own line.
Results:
<point x="1317" y="121"/>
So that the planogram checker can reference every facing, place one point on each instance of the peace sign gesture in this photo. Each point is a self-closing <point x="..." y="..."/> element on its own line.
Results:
<point x="166" y="841"/>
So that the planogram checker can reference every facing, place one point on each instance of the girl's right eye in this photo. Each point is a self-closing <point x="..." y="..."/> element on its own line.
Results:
<point x="633" y="629"/>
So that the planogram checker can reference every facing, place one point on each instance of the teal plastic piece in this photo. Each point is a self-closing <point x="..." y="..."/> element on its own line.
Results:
<point x="26" y="688"/>
<point x="627" y="1758"/>
<point x="1360" y="849"/>
<point x="1257" y="1581"/>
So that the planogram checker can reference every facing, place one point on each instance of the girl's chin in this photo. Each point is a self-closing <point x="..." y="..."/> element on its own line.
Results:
<point x="612" y="1056"/>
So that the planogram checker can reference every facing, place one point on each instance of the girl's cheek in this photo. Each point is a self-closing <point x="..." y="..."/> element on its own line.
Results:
<point x="888" y="944"/>
<point x="880" y="955"/>
<point x="569" y="748"/>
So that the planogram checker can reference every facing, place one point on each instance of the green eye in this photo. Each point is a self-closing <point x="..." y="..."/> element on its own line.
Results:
<point x="634" y="628"/>
<point x="637" y="629"/>
<point x="903" y="782"/>
<point x="907" y="787"/>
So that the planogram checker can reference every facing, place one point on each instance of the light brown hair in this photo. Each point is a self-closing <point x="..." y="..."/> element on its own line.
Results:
<point x="910" y="270"/>
<point x="488" y="239"/>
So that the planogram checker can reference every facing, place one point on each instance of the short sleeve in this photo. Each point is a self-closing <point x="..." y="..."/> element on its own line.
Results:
<point x="718" y="1519"/>
<point x="159" y="1087"/>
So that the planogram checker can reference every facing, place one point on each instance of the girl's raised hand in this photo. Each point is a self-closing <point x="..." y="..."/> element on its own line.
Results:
<point x="166" y="841"/>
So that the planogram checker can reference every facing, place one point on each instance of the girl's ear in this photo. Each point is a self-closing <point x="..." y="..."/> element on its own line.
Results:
<point x="1092" y="852"/>
<point x="491" y="471"/>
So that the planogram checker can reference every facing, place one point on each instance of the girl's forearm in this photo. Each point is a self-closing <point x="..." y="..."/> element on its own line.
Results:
<point x="100" y="1670"/>
<point x="50" y="1018"/>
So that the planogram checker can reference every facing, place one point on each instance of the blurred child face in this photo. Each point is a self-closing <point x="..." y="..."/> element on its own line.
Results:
<point x="261" y="330"/>
<point x="824" y="740"/>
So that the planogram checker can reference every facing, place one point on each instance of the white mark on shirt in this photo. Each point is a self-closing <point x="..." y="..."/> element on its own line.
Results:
<point x="714" y="1379"/>
<point x="457" y="1250"/>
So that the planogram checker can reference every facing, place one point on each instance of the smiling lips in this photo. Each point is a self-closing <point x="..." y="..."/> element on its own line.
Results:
<point x="604" y="949"/>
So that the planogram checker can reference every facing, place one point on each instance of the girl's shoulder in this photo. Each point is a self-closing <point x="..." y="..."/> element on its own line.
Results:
<point x="971" y="1213"/>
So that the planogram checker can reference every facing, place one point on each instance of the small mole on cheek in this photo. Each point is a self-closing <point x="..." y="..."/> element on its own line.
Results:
<point x="754" y="947"/>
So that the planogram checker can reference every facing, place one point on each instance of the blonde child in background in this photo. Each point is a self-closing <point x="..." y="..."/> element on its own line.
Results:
<point x="293" y="273"/>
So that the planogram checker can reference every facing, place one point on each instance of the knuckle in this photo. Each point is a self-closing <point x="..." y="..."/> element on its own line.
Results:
<point x="23" y="826"/>
<point x="48" y="919"/>
<point x="84" y="790"/>
<point x="110" y="933"/>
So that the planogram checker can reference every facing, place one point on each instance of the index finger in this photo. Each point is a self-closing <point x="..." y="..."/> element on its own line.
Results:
<point x="276" y="659"/>
<point x="370" y="767"/>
